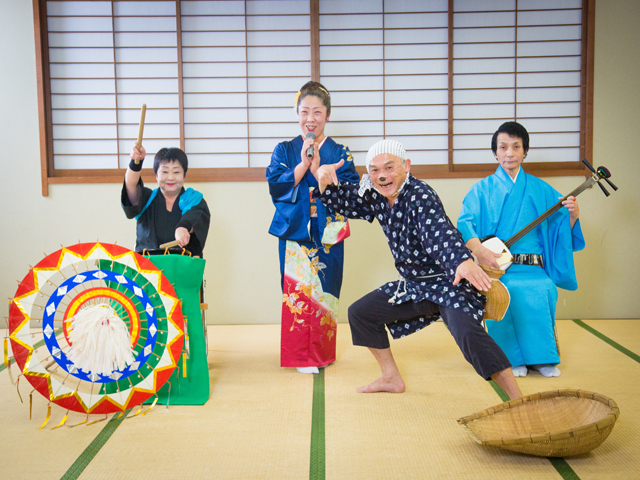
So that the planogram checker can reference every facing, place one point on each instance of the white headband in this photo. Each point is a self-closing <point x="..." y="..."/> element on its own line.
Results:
<point x="392" y="147"/>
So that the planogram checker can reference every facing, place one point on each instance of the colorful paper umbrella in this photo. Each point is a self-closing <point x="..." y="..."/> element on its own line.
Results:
<point x="85" y="276"/>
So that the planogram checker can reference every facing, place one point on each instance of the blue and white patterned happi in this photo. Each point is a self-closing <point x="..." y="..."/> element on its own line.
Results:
<point x="423" y="242"/>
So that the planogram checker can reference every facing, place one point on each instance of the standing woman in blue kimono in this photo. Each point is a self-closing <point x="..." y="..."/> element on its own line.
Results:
<point x="502" y="205"/>
<point x="310" y="247"/>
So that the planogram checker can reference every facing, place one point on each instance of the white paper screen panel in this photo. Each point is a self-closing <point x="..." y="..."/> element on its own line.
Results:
<point x="396" y="52"/>
<point x="239" y="69"/>
<point x="106" y="59"/>
<point x="537" y="52"/>
<point x="235" y="63"/>
<point x="508" y="64"/>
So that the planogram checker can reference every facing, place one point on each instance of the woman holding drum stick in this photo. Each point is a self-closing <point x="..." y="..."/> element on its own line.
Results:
<point x="168" y="213"/>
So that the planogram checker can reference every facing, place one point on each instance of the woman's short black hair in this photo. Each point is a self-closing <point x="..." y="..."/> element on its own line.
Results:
<point x="168" y="155"/>
<point x="513" y="129"/>
<point x="317" y="90"/>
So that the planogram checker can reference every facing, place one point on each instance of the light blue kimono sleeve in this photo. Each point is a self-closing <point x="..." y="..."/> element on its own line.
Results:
<point x="468" y="221"/>
<point x="559" y="240"/>
<point x="483" y="206"/>
<point x="576" y="237"/>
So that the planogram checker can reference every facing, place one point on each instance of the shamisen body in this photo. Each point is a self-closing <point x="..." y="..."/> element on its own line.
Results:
<point x="432" y="262"/>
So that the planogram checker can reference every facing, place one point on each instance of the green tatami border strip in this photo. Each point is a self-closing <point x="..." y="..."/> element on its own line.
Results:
<point x="606" y="339"/>
<point x="560" y="464"/>
<point x="317" y="459"/>
<point x="501" y="393"/>
<point x="563" y="468"/>
<point x="94" y="447"/>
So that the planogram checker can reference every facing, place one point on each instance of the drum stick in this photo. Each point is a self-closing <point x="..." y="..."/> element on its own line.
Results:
<point x="175" y="243"/>
<point x="143" y="111"/>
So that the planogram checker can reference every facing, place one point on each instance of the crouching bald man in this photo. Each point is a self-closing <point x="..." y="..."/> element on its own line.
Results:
<point x="432" y="262"/>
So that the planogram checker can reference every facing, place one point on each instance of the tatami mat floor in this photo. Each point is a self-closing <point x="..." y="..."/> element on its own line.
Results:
<point x="258" y="421"/>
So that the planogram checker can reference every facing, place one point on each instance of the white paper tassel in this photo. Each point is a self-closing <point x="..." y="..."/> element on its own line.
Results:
<point x="101" y="342"/>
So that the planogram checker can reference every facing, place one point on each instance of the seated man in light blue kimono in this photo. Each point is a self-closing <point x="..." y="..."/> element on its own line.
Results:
<point x="501" y="205"/>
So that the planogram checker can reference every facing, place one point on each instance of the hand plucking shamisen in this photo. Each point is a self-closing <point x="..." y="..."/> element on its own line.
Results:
<point x="327" y="175"/>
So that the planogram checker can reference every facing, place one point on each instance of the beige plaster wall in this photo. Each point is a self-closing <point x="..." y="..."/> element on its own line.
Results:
<point x="242" y="273"/>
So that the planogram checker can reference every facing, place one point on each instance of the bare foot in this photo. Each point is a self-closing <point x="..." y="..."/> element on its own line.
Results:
<point x="393" y="385"/>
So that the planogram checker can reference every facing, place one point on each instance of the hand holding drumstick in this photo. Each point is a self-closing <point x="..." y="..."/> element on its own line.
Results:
<point x="134" y="172"/>
<point x="138" y="145"/>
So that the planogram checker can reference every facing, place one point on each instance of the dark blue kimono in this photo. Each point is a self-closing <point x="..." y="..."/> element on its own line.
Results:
<point x="311" y="254"/>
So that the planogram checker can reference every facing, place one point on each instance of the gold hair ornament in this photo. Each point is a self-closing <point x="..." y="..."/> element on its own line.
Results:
<point x="295" y="102"/>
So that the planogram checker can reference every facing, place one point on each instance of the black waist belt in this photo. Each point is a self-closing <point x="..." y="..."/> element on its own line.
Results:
<point x="528" y="259"/>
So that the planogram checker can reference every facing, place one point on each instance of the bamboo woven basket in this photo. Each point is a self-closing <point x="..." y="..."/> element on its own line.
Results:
<point x="498" y="297"/>
<point x="558" y="423"/>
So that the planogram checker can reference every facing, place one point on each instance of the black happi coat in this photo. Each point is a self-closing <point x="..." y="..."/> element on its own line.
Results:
<point x="157" y="225"/>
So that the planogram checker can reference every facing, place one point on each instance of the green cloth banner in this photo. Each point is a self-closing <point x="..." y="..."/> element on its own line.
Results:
<point x="185" y="274"/>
